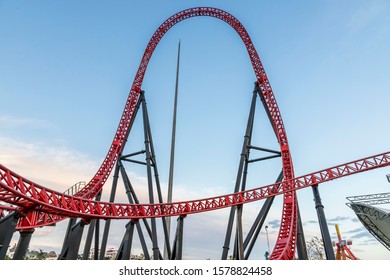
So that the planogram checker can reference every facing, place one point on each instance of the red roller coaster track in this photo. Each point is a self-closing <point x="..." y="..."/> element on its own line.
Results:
<point x="43" y="206"/>
<point x="19" y="191"/>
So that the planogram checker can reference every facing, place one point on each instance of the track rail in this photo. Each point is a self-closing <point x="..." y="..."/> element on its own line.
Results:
<point x="43" y="206"/>
<point x="20" y="192"/>
<point x="288" y="225"/>
<point x="4" y="209"/>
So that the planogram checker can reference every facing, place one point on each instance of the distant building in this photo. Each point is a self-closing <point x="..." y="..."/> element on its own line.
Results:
<point x="111" y="254"/>
<point x="137" y="257"/>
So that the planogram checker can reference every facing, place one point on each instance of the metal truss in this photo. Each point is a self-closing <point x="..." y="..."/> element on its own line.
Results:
<point x="371" y="199"/>
<point x="39" y="206"/>
<point x="364" y="212"/>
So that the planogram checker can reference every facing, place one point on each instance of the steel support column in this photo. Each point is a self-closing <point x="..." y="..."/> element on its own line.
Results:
<point x="257" y="226"/>
<point x="124" y="251"/>
<point x="72" y="244"/>
<point x="97" y="239"/>
<point x="143" y="243"/>
<point x="107" y="224"/>
<point x="103" y="246"/>
<point x="91" y="229"/>
<point x="259" y="222"/>
<point x="238" y="252"/>
<point x="323" y="225"/>
<point x="301" y="243"/>
<point x="88" y="240"/>
<point x="172" y="157"/>
<point x="243" y="159"/>
<point x="177" y="250"/>
<point x="71" y="223"/>
<point x="23" y="243"/>
<point x="158" y="186"/>
<point x="7" y="228"/>
<point x="133" y="199"/>
<point x="149" y="176"/>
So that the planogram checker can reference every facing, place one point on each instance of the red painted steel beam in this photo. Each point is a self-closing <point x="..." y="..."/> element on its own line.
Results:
<point x="4" y="210"/>
<point x="288" y="225"/>
<point x="44" y="206"/>
<point x="56" y="203"/>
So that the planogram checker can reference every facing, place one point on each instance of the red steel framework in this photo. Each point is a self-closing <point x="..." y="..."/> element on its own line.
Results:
<point x="42" y="206"/>
<point x="19" y="191"/>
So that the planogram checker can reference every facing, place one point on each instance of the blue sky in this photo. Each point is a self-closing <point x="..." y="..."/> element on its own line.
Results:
<point x="66" y="68"/>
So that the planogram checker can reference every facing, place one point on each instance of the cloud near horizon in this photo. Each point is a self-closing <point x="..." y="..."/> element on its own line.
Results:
<point x="204" y="233"/>
<point x="10" y="121"/>
<point x="58" y="167"/>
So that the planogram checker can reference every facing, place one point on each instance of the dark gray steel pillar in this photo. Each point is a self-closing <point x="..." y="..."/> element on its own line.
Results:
<point x="71" y="223"/>
<point x="23" y="243"/>
<point x="243" y="158"/>
<point x="258" y="224"/>
<point x="71" y="249"/>
<point x="97" y="234"/>
<point x="7" y="228"/>
<point x="106" y="230"/>
<point x="103" y="246"/>
<point x="149" y="176"/>
<point x="91" y="229"/>
<point x="132" y="197"/>
<point x="172" y="158"/>
<point x="143" y="243"/>
<point x="301" y="243"/>
<point x="158" y="187"/>
<point x="88" y="240"/>
<point x="323" y="225"/>
<point x="124" y="251"/>
<point x="177" y="250"/>
<point x="180" y="224"/>
<point x="239" y="235"/>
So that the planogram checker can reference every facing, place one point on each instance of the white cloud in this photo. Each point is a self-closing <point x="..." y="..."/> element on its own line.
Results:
<point x="54" y="167"/>
<point x="8" y="121"/>
<point x="59" y="167"/>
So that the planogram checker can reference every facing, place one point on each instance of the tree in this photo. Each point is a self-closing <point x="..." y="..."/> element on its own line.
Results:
<point x="41" y="255"/>
<point x="315" y="249"/>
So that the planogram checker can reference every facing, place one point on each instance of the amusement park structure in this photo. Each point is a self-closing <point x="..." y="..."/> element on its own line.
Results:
<point x="28" y="205"/>
<point x="375" y="219"/>
<point x="342" y="250"/>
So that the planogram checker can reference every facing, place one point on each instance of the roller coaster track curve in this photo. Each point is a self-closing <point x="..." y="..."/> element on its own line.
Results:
<point x="43" y="206"/>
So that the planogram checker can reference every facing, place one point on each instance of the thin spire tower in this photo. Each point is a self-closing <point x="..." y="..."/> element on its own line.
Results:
<point x="172" y="160"/>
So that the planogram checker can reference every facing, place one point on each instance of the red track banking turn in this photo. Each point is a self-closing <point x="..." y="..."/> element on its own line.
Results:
<point x="43" y="206"/>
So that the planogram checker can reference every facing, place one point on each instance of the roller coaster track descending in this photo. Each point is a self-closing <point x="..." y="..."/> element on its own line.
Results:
<point x="40" y="206"/>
